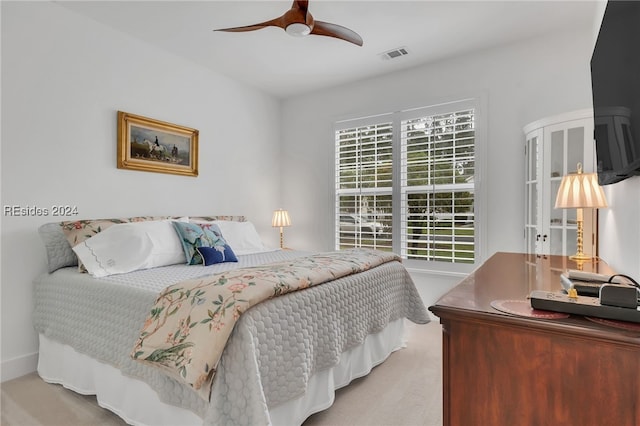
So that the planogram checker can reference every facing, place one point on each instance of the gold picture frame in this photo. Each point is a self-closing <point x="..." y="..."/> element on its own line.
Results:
<point x="151" y="145"/>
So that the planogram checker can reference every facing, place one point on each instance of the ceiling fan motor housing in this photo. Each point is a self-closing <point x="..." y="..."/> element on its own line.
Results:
<point x="298" y="30"/>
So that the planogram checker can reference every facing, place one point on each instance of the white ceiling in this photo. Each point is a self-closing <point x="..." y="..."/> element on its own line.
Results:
<point x="285" y="66"/>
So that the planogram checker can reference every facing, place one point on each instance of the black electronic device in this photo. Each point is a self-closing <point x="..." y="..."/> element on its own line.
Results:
<point x="589" y="283"/>
<point x="615" y="81"/>
<point x="623" y="296"/>
<point x="581" y="305"/>
<point x="584" y="288"/>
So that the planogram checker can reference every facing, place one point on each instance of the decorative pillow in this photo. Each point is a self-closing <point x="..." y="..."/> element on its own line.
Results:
<point x="217" y="254"/>
<point x="213" y="218"/>
<point x="241" y="236"/>
<point x="78" y="231"/>
<point x="58" y="249"/>
<point x="193" y="235"/>
<point x="129" y="247"/>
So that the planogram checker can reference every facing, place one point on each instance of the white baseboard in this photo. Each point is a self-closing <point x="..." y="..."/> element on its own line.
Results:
<point x="17" y="367"/>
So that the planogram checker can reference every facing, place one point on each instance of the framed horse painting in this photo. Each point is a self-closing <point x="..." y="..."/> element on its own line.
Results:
<point x="156" y="146"/>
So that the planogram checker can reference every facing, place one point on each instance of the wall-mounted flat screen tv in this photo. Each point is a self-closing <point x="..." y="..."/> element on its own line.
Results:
<point x="615" y="81"/>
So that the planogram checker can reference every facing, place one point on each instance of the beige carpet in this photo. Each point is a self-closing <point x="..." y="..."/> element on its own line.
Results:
<point x="406" y="390"/>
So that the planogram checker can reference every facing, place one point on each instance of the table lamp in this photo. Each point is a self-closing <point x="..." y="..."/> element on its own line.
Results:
<point x="580" y="191"/>
<point x="281" y="218"/>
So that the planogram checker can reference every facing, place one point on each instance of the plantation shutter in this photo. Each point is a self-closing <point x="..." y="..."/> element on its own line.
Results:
<point x="364" y="186"/>
<point x="437" y="186"/>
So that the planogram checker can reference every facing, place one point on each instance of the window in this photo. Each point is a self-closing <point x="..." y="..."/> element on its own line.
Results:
<point x="364" y="183"/>
<point x="406" y="182"/>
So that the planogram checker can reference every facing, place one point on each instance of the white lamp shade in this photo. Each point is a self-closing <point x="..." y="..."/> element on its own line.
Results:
<point x="281" y="218"/>
<point x="580" y="190"/>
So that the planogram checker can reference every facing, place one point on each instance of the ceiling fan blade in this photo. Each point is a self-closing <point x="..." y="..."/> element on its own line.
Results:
<point x="277" y="22"/>
<point x="303" y="5"/>
<point x="337" y="31"/>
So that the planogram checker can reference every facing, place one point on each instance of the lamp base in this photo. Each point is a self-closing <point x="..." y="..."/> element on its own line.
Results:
<point x="581" y="256"/>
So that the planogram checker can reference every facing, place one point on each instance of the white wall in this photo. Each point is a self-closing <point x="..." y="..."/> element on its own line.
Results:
<point x="620" y="227"/>
<point x="63" y="79"/>
<point x="520" y="83"/>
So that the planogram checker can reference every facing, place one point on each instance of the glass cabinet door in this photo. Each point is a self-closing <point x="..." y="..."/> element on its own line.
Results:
<point x="553" y="149"/>
<point x="565" y="144"/>
<point x="533" y="152"/>
<point x="554" y="174"/>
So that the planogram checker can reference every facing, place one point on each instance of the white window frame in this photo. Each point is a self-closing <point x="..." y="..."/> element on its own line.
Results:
<point x="480" y="215"/>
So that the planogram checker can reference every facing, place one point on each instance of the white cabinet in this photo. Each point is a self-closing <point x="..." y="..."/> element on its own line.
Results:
<point x="553" y="148"/>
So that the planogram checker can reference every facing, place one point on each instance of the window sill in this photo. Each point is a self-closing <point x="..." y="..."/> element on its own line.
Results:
<point x="438" y="268"/>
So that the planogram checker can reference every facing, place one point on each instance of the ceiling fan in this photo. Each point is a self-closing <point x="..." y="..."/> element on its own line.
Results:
<point x="298" y="22"/>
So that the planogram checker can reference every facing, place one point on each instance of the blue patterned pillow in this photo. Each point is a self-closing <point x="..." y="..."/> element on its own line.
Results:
<point x="218" y="254"/>
<point x="192" y="236"/>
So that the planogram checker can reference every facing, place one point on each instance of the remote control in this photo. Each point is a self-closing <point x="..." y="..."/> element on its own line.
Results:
<point x="581" y="305"/>
<point x="592" y="276"/>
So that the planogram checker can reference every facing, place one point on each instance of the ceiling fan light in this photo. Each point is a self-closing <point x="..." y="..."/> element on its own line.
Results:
<point x="298" y="29"/>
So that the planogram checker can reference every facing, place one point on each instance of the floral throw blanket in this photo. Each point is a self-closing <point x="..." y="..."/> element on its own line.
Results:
<point x="188" y="326"/>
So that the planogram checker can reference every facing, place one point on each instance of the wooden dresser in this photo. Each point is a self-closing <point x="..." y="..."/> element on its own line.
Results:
<point x="502" y="369"/>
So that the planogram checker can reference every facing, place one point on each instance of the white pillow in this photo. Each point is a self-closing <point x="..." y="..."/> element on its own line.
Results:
<point x="127" y="247"/>
<point x="242" y="237"/>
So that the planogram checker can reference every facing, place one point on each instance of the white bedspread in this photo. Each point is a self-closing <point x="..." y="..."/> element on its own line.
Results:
<point x="102" y="317"/>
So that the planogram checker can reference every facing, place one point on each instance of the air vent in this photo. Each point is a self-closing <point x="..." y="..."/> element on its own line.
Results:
<point x="395" y="53"/>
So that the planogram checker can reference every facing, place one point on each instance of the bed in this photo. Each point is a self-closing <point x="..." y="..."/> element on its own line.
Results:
<point x="282" y="362"/>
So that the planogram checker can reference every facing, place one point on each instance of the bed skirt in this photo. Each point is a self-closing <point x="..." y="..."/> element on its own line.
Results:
<point x="138" y="404"/>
